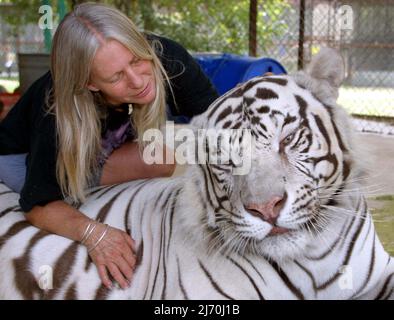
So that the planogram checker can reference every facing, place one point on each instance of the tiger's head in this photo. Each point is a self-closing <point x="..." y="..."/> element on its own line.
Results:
<point x="300" y="160"/>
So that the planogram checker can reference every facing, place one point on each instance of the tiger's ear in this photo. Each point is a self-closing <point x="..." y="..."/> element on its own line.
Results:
<point x="328" y="66"/>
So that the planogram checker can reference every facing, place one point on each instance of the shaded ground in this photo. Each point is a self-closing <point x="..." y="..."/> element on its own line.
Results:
<point x="381" y="153"/>
<point x="382" y="181"/>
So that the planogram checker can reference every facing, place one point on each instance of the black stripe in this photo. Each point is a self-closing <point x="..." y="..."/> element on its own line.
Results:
<point x="266" y="94"/>
<point x="255" y="269"/>
<point x="331" y="247"/>
<point x="108" y="189"/>
<point x="261" y="297"/>
<point x="174" y="196"/>
<point x="364" y="241"/>
<point x="384" y="288"/>
<point x="302" y="110"/>
<point x="286" y="280"/>
<point x="224" y="114"/>
<point x="162" y="256"/>
<point x="6" y="192"/>
<point x="227" y="124"/>
<point x="289" y="119"/>
<point x="102" y="215"/>
<point x="208" y="193"/>
<point x="310" y="275"/>
<point x="323" y="130"/>
<point x="12" y="231"/>
<point x="95" y="190"/>
<point x="248" y="102"/>
<point x="101" y="292"/>
<point x="348" y="253"/>
<point x="251" y="83"/>
<point x="185" y="296"/>
<point x="8" y="210"/>
<point x="370" y="270"/>
<point x="128" y="213"/>
<point x="279" y="81"/>
<point x="237" y="125"/>
<point x="213" y="282"/>
<point x="339" y="138"/>
<point x="71" y="293"/>
<point x="25" y="280"/>
<point x="300" y="136"/>
<point x="255" y="120"/>
<point x="263" y="109"/>
<point x="62" y="269"/>
<point x="239" y="108"/>
<point x="217" y="104"/>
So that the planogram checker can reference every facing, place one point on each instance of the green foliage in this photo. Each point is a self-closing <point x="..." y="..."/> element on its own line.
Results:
<point x="200" y="25"/>
<point x="214" y="25"/>
<point x="24" y="12"/>
<point x="384" y="222"/>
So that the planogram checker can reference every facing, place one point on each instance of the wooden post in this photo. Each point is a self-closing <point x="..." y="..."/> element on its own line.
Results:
<point x="253" y="28"/>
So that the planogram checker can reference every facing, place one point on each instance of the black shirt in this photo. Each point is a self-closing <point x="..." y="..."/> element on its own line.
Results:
<point x="28" y="128"/>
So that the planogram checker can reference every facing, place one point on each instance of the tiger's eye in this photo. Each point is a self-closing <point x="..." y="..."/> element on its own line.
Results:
<point x="288" y="139"/>
<point x="285" y="142"/>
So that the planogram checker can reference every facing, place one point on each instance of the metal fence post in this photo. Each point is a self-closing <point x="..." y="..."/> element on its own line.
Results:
<point x="301" y="35"/>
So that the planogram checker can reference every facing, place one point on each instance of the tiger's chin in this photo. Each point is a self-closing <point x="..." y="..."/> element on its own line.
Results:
<point x="278" y="244"/>
<point x="284" y="246"/>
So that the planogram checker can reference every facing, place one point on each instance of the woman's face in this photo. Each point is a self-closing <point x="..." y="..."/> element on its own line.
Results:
<point x="122" y="77"/>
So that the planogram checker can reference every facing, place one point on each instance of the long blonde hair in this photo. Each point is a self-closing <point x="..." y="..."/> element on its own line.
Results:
<point x="75" y="44"/>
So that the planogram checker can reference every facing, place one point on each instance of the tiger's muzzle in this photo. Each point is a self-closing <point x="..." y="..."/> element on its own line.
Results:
<point x="269" y="212"/>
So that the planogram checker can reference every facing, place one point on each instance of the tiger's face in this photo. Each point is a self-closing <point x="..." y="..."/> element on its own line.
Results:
<point x="299" y="162"/>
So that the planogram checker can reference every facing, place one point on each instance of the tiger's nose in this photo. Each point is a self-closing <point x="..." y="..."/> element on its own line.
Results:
<point x="268" y="211"/>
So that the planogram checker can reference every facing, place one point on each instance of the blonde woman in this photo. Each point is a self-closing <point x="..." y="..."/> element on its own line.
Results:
<point x="73" y="129"/>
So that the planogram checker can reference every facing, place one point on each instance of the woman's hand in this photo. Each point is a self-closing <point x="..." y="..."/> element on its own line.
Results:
<point x="114" y="255"/>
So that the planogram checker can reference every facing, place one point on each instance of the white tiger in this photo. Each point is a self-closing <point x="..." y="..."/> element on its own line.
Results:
<point x="287" y="230"/>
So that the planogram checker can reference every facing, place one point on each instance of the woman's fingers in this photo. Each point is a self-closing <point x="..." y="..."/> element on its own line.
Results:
<point x="129" y="252"/>
<point x="114" y="253"/>
<point x="125" y="267"/>
<point x="130" y="259"/>
<point x="102" y="270"/>
<point x="130" y="242"/>
<point x="117" y="275"/>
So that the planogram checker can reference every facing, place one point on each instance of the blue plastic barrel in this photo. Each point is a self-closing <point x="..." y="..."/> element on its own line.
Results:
<point x="228" y="70"/>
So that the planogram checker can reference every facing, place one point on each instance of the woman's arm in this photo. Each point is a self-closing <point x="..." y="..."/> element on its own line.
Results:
<point x="114" y="254"/>
<point x="126" y="164"/>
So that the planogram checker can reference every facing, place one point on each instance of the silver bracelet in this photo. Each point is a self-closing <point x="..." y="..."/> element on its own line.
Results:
<point x="89" y="233"/>
<point x="86" y="231"/>
<point x="99" y="239"/>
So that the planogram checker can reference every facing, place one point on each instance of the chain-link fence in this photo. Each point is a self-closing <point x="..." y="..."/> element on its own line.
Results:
<point x="290" y="31"/>
<point x="366" y="44"/>
<point x="363" y="31"/>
